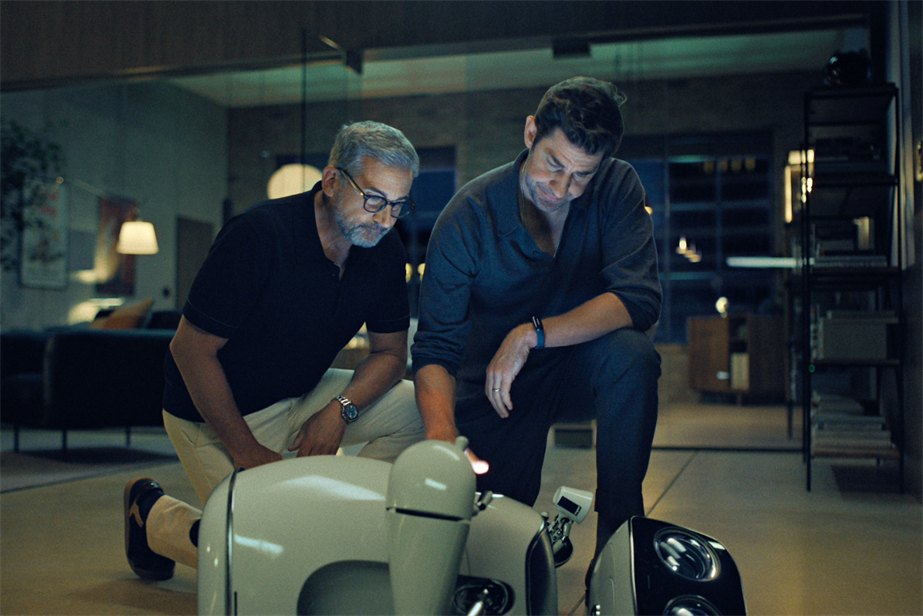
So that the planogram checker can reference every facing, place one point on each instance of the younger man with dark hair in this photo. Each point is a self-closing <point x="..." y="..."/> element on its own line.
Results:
<point x="541" y="279"/>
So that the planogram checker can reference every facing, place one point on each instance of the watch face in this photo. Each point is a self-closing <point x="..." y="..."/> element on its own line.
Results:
<point x="350" y="413"/>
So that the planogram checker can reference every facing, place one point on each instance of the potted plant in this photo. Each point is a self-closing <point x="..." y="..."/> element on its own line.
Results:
<point x="26" y="156"/>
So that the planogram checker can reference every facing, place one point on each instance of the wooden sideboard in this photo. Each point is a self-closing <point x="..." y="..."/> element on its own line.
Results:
<point x="742" y="354"/>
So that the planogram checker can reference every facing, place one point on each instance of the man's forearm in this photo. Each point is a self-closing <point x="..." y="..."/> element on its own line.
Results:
<point x="435" y="392"/>
<point x="212" y="396"/>
<point x="597" y="317"/>
<point x="590" y="320"/>
<point x="374" y="377"/>
<point x="195" y="354"/>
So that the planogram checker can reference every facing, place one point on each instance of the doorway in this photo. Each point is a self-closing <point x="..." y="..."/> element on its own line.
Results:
<point x="193" y="241"/>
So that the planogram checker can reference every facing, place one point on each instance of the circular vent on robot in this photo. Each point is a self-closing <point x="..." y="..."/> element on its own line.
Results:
<point x="686" y="555"/>
<point x="690" y="606"/>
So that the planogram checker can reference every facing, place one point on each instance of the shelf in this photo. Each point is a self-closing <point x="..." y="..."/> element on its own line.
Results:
<point x="834" y="271"/>
<point x="841" y="196"/>
<point x="846" y="105"/>
<point x="885" y="453"/>
<point x="857" y="363"/>
<point x="848" y="129"/>
<point x="850" y="278"/>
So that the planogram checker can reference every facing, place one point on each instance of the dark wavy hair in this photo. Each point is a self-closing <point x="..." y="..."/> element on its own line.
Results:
<point x="587" y="110"/>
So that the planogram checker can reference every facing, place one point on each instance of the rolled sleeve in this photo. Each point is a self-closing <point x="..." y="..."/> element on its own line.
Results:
<point x="630" y="268"/>
<point x="445" y="291"/>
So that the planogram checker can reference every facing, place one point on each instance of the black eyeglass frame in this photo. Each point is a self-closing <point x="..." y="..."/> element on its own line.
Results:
<point x="405" y="206"/>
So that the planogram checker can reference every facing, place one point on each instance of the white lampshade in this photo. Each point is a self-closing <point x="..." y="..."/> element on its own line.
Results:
<point x="292" y="179"/>
<point x="137" y="238"/>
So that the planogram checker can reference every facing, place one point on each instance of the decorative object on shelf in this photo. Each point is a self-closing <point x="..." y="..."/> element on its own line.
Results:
<point x="688" y="250"/>
<point x="848" y="68"/>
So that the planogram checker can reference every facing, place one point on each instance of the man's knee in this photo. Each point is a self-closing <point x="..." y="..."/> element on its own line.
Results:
<point x="629" y="354"/>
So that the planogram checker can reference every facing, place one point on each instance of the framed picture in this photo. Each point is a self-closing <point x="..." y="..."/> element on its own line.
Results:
<point x="115" y="272"/>
<point x="43" y="257"/>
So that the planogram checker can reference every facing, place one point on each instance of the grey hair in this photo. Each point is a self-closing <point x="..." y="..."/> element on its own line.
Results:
<point x="384" y="143"/>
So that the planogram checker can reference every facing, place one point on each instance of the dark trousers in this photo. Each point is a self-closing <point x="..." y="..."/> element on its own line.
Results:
<point x="612" y="379"/>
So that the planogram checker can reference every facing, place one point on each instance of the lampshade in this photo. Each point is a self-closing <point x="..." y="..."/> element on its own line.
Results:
<point x="137" y="238"/>
<point x="292" y="179"/>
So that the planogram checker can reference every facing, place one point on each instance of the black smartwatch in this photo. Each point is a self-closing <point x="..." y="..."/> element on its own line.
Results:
<point x="348" y="411"/>
<point x="539" y="332"/>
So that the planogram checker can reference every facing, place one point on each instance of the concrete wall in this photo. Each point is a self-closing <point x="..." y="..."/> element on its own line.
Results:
<point x="486" y="128"/>
<point x="160" y="146"/>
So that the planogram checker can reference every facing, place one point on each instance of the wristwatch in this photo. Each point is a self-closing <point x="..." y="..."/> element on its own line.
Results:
<point x="349" y="411"/>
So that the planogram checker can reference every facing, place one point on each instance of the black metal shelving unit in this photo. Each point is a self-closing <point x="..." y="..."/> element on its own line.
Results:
<point x="850" y="317"/>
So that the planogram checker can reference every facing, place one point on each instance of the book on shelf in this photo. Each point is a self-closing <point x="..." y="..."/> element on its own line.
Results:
<point x="847" y="260"/>
<point x="880" y="315"/>
<point x="845" y="438"/>
<point x="847" y="421"/>
<point x="835" y="403"/>
<point x="740" y="371"/>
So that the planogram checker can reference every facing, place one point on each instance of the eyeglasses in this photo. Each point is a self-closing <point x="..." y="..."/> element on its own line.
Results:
<point x="376" y="203"/>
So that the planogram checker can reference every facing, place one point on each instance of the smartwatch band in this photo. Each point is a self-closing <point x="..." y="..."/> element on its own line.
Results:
<point x="539" y="332"/>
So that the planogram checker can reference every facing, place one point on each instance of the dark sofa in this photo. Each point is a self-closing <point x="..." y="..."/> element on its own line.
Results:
<point x="81" y="378"/>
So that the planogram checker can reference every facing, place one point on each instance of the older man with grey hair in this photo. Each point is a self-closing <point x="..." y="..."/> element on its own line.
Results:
<point x="285" y="286"/>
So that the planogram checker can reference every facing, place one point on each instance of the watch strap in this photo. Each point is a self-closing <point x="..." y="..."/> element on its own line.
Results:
<point x="539" y="332"/>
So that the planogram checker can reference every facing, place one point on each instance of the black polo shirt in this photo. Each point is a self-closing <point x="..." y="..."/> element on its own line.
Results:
<point x="268" y="288"/>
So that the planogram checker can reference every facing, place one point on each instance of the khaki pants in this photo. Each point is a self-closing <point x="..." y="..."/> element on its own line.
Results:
<point x="387" y="427"/>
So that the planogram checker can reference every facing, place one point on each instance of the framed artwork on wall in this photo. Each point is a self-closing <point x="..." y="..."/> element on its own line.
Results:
<point x="43" y="245"/>
<point x="115" y="272"/>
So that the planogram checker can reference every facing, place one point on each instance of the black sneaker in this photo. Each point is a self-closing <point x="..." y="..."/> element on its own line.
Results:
<point x="143" y="561"/>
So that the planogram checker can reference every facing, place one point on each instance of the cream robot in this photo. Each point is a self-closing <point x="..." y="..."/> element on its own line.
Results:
<point x="347" y="535"/>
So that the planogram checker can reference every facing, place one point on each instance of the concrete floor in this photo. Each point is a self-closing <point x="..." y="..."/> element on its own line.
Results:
<point x="852" y="545"/>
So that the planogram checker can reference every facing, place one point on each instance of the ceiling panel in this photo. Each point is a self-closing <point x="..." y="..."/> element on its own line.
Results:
<point x="705" y="56"/>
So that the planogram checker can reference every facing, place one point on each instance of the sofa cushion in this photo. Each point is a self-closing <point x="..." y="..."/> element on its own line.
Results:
<point x="105" y="378"/>
<point x="128" y="316"/>
<point x="22" y="352"/>
<point x="21" y="398"/>
<point x="164" y="319"/>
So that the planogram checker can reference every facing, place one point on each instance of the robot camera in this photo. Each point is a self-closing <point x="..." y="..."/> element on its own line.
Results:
<point x="572" y="503"/>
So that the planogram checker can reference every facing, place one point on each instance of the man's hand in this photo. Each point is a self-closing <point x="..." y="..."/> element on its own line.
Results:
<point x="259" y="456"/>
<point x="505" y="366"/>
<point x="449" y="434"/>
<point x="322" y="433"/>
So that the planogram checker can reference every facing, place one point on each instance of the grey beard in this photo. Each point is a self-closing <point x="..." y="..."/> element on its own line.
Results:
<point x="359" y="235"/>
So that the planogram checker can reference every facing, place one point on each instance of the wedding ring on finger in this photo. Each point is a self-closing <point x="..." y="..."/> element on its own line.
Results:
<point x="495" y="390"/>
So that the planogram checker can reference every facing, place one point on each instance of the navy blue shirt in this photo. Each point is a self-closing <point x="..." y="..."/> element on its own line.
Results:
<point x="268" y="288"/>
<point x="485" y="274"/>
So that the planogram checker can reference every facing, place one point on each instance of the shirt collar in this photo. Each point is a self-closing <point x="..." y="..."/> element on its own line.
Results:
<point x="505" y="197"/>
